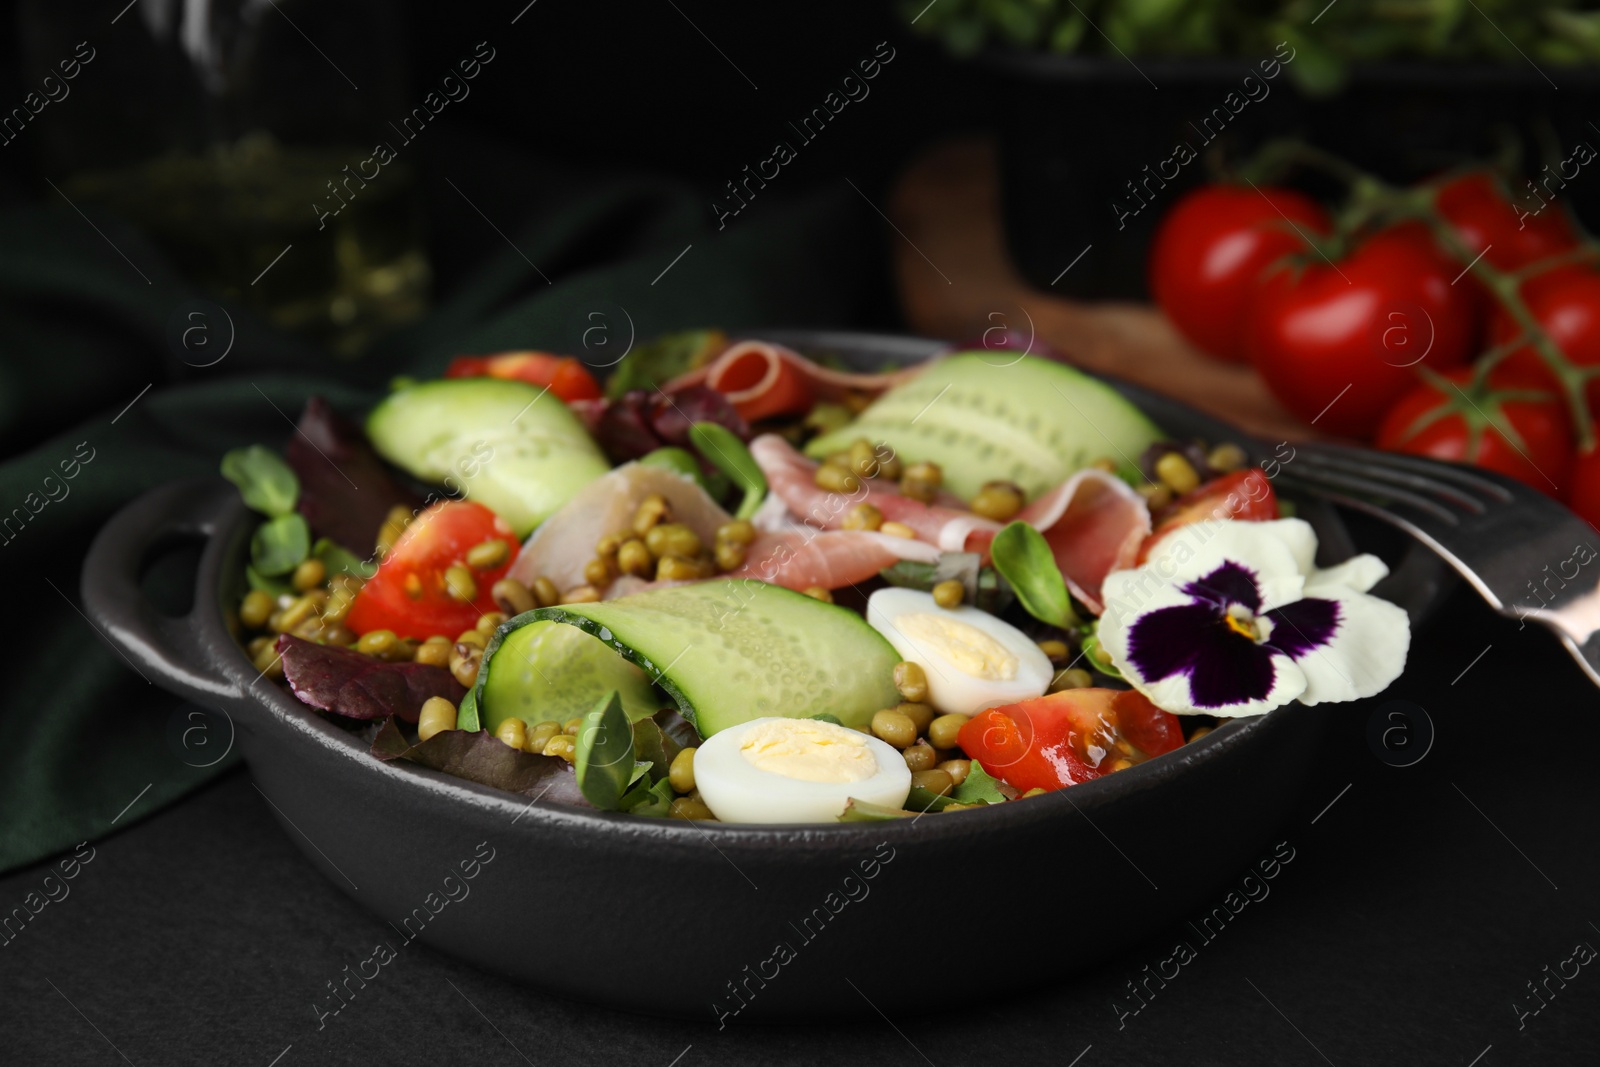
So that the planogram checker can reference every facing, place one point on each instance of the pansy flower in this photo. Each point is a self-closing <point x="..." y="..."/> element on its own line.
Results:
<point x="1233" y="618"/>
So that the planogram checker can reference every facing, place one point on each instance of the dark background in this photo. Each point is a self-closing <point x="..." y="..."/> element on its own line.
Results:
<point x="634" y="88"/>
<point x="580" y="93"/>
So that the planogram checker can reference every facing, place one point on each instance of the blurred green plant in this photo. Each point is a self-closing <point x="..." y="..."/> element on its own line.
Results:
<point x="1346" y="33"/>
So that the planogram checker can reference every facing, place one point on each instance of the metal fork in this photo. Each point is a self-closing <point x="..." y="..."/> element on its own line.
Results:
<point x="1526" y="554"/>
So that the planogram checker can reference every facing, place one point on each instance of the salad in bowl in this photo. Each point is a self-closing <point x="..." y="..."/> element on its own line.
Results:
<point x="762" y="589"/>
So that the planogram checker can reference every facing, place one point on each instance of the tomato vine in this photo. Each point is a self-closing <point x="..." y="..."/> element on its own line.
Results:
<point x="1374" y="202"/>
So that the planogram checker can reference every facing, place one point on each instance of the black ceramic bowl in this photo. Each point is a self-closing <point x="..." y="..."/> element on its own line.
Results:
<point x="711" y="921"/>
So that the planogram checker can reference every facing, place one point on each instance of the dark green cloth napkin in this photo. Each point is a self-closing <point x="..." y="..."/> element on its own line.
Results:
<point x="86" y="746"/>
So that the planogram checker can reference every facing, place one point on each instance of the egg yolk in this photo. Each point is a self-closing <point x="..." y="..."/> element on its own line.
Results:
<point x="961" y="645"/>
<point x="809" y="750"/>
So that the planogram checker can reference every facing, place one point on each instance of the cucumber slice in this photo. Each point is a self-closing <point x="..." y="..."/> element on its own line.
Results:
<point x="544" y="671"/>
<point x="508" y="445"/>
<point x="728" y="652"/>
<point x="1034" y="422"/>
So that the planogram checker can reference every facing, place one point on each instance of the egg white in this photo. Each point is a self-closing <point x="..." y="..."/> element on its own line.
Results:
<point x="950" y="688"/>
<point x="736" y="790"/>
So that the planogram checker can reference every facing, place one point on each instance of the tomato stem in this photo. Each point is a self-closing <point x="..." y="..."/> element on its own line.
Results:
<point x="1585" y="251"/>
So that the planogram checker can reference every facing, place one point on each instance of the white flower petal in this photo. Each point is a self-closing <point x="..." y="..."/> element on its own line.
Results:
<point x="1269" y="550"/>
<point x="1294" y="534"/>
<point x="1360" y="573"/>
<point x="1367" y="652"/>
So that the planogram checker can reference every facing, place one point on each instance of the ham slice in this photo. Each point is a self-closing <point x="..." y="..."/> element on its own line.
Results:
<point x="1093" y="521"/>
<point x="762" y="380"/>
<point x="792" y="478"/>
<point x="800" y="557"/>
<point x="804" y="556"/>
<point x="790" y="555"/>
<point x="1094" y="524"/>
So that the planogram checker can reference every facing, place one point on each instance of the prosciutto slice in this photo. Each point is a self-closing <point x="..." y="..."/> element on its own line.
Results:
<point x="804" y="556"/>
<point x="1093" y="521"/>
<point x="790" y="555"/>
<point x="792" y="478"/>
<point x="1094" y="524"/>
<point x="762" y="380"/>
<point x="801" y="557"/>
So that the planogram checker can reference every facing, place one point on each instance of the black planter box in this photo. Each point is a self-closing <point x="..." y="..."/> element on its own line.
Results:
<point x="1088" y="145"/>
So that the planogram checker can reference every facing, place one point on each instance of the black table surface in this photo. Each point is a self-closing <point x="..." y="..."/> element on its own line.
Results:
<point x="1441" y="912"/>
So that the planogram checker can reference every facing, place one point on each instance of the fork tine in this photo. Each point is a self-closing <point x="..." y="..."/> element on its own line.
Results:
<point x="1358" y="492"/>
<point x="1363" y="459"/>
<point x="1380" y="478"/>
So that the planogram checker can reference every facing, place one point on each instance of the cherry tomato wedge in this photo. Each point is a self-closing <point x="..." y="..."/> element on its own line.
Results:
<point x="1069" y="737"/>
<point x="1243" y="495"/>
<point x="414" y="593"/>
<point x="567" y="378"/>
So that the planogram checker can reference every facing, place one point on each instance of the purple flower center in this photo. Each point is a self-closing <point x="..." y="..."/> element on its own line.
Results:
<point x="1214" y="640"/>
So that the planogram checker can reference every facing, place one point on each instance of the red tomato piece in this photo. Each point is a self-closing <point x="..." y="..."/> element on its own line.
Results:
<point x="566" y="377"/>
<point x="468" y="367"/>
<point x="410" y="594"/>
<point x="1566" y="304"/>
<point x="1211" y="250"/>
<point x="1245" y="496"/>
<point x="1069" y="737"/>
<point x="1518" y="431"/>
<point x="1337" y="343"/>
<point x="572" y="381"/>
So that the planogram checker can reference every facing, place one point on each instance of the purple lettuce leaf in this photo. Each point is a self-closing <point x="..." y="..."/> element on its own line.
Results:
<point x="345" y="489"/>
<point x="676" y="727"/>
<point x="479" y="756"/>
<point x="347" y="683"/>
<point x="672" y="414"/>
<point x="641" y="421"/>
<point x="624" y="429"/>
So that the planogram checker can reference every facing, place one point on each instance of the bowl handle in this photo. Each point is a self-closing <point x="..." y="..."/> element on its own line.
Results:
<point x="173" y="649"/>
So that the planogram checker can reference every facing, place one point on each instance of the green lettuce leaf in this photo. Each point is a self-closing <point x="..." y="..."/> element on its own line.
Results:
<point x="861" y="811"/>
<point x="279" y="544"/>
<point x="339" y="559"/>
<point x="659" y="361"/>
<point x="979" y="787"/>
<point x="1023" y="557"/>
<point x="724" y="451"/>
<point x="605" y="762"/>
<point x="264" y="480"/>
